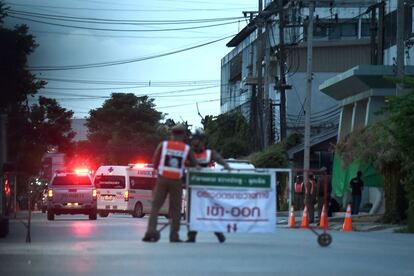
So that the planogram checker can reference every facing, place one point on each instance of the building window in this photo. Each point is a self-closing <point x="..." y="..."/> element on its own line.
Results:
<point x="365" y="29"/>
<point x="335" y="31"/>
<point x="320" y="31"/>
<point x="349" y="30"/>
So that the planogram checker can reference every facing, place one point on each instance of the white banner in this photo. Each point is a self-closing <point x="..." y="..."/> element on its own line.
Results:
<point x="233" y="210"/>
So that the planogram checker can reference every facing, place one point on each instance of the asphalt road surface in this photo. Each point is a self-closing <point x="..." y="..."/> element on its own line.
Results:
<point x="73" y="245"/>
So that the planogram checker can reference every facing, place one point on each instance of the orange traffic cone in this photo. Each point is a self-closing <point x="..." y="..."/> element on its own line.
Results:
<point x="305" y="220"/>
<point x="323" y="221"/>
<point x="347" y="226"/>
<point x="292" y="222"/>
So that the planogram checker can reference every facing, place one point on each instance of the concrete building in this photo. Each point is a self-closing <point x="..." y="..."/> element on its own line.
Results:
<point x="341" y="41"/>
<point x="362" y="91"/>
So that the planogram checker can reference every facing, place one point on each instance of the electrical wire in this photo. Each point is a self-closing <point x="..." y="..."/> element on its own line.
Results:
<point x="124" y="10"/>
<point x="119" y="21"/>
<point x="122" y="30"/>
<point x="120" y="62"/>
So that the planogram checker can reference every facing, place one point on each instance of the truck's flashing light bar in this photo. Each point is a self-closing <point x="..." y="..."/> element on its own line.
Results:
<point x="141" y="165"/>
<point x="77" y="171"/>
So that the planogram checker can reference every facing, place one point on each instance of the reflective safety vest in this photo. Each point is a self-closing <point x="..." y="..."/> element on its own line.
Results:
<point x="310" y="188"/>
<point x="298" y="187"/>
<point x="203" y="158"/>
<point x="173" y="156"/>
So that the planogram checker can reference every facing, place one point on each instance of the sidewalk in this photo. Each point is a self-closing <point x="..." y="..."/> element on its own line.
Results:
<point x="362" y="222"/>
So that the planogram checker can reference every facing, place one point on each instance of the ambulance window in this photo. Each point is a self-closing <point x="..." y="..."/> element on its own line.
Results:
<point x="143" y="183"/>
<point x="110" y="181"/>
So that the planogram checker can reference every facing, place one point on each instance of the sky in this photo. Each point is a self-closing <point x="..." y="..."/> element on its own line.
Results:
<point x="180" y="69"/>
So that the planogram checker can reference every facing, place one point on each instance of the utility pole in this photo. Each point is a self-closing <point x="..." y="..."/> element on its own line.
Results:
<point x="282" y="65"/>
<point x="259" y="89"/>
<point x="400" y="44"/>
<point x="306" y="161"/>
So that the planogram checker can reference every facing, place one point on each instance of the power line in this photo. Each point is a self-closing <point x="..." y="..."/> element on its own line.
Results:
<point x="148" y="83"/>
<point x="120" y="62"/>
<point x="157" y="94"/>
<point x="121" y="36"/>
<point x="95" y="20"/>
<point x="123" y="30"/>
<point x="125" y="10"/>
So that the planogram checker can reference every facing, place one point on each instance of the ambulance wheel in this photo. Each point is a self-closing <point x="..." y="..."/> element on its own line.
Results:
<point x="138" y="211"/>
<point x="50" y="215"/>
<point x="93" y="215"/>
<point x="103" y="214"/>
<point x="324" y="239"/>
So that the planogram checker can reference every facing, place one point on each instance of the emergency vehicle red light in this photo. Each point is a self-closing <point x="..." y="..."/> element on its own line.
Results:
<point x="140" y="165"/>
<point x="81" y="171"/>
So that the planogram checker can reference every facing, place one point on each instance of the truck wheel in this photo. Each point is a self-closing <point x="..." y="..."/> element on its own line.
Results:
<point x="4" y="228"/>
<point x="103" y="214"/>
<point x="50" y="215"/>
<point x="92" y="215"/>
<point x="138" y="211"/>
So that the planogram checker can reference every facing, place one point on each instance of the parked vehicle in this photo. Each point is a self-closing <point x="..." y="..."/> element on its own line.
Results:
<point x="126" y="189"/>
<point x="71" y="192"/>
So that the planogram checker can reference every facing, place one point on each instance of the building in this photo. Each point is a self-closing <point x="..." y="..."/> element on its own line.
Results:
<point x="252" y="82"/>
<point x="362" y="91"/>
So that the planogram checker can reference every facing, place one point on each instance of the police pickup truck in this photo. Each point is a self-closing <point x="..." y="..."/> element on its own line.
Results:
<point x="71" y="192"/>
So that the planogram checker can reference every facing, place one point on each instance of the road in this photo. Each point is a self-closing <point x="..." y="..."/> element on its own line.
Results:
<point x="73" y="245"/>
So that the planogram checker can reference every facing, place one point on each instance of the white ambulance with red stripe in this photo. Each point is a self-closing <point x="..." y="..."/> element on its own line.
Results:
<point x="126" y="189"/>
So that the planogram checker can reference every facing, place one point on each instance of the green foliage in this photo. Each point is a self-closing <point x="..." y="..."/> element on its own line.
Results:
<point x="274" y="156"/>
<point x="15" y="80"/>
<point x="228" y="134"/>
<point x="31" y="129"/>
<point x="401" y="128"/>
<point x="35" y="129"/>
<point x="388" y="145"/>
<point x="124" y="129"/>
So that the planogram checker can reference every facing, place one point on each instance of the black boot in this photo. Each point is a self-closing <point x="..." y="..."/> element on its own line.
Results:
<point x="153" y="237"/>
<point x="191" y="236"/>
<point x="220" y="236"/>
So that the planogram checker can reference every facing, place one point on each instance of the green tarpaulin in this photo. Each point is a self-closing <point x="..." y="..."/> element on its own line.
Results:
<point x="341" y="175"/>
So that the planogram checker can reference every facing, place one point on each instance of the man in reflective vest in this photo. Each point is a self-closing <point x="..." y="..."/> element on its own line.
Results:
<point x="310" y="197"/>
<point x="205" y="158"/>
<point x="299" y="189"/>
<point x="169" y="159"/>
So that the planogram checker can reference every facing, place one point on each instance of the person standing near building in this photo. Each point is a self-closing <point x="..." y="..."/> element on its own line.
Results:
<point x="310" y="194"/>
<point x="205" y="158"/>
<point x="357" y="185"/>
<point x="169" y="159"/>
<point x="323" y="180"/>
<point x="299" y="191"/>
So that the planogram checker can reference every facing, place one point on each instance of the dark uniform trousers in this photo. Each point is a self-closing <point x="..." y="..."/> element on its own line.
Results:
<point x="163" y="187"/>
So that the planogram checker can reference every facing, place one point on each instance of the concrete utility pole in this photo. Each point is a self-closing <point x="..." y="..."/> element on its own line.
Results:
<point x="282" y="63"/>
<point x="400" y="44"/>
<point x="306" y="159"/>
<point x="259" y="59"/>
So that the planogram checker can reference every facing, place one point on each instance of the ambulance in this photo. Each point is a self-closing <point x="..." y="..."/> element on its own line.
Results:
<point x="126" y="189"/>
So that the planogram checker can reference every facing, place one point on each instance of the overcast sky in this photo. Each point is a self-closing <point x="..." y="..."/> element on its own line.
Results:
<point x="176" y="81"/>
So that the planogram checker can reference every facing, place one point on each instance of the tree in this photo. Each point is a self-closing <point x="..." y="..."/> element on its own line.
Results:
<point x="43" y="125"/>
<point x="16" y="81"/>
<point x="124" y="129"/>
<point x="31" y="129"/>
<point x="388" y="145"/>
<point x="228" y="133"/>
